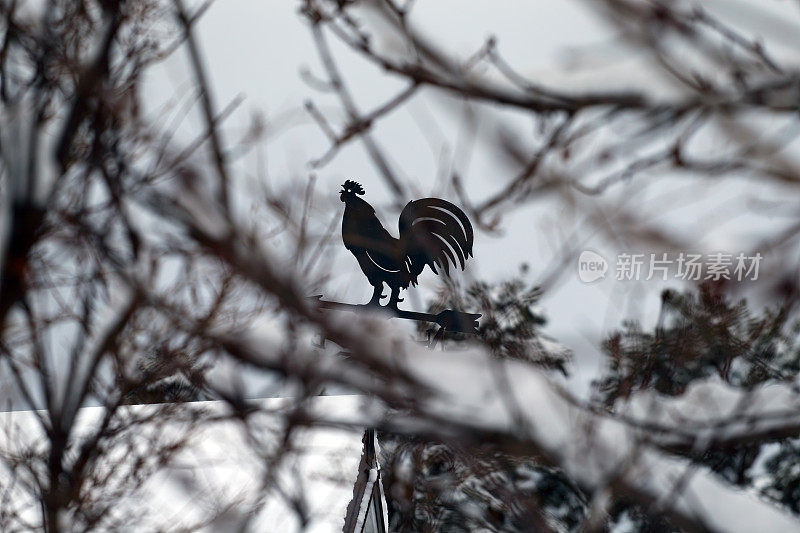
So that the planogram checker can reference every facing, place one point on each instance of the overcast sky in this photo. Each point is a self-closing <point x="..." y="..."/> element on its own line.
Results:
<point x="257" y="50"/>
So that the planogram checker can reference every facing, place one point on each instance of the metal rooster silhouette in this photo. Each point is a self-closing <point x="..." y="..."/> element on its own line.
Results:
<point x="433" y="232"/>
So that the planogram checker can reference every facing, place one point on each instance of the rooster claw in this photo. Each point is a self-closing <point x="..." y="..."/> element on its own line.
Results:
<point x="375" y="301"/>
<point x="392" y="304"/>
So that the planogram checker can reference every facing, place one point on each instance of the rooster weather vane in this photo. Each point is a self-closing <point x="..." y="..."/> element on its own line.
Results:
<point x="433" y="233"/>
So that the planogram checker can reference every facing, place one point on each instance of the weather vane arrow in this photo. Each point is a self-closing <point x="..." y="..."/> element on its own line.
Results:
<point x="450" y="320"/>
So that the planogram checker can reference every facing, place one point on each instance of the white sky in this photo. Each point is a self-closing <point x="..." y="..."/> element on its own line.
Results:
<point x="257" y="50"/>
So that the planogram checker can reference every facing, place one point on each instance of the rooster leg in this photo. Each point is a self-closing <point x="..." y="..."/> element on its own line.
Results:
<point x="395" y="298"/>
<point x="377" y="295"/>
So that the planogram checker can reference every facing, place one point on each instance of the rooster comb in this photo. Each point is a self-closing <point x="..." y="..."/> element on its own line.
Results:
<point x="353" y="187"/>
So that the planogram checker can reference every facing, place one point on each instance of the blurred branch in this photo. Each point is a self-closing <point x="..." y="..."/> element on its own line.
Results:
<point x="355" y="129"/>
<point x="358" y="123"/>
<point x="217" y="150"/>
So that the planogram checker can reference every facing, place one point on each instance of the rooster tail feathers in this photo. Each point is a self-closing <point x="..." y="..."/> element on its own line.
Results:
<point x="436" y="233"/>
